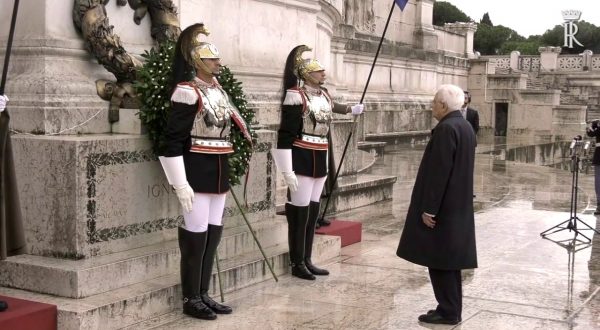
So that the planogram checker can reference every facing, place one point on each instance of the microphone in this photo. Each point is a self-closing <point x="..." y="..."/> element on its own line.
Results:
<point x="574" y="141"/>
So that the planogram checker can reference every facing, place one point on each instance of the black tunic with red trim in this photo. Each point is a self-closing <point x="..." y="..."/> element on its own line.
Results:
<point x="298" y="120"/>
<point x="205" y="151"/>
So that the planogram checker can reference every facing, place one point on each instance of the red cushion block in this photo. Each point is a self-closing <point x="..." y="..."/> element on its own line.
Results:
<point x="25" y="315"/>
<point x="349" y="231"/>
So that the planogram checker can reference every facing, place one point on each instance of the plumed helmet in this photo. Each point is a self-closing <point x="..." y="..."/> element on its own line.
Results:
<point x="194" y="50"/>
<point x="305" y="66"/>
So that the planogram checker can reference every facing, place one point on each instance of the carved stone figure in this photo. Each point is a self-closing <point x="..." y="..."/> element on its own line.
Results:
<point x="89" y="17"/>
<point x="360" y="14"/>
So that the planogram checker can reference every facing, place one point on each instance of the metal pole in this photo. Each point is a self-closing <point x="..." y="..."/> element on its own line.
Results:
<point x="253" y="235"/>
<point x="337" y="172"/>
<point x="9" y="46"/>
<point x="219" y="277"/>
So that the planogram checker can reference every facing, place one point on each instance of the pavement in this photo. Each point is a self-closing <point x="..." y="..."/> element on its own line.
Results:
<point x="524" y="281"/>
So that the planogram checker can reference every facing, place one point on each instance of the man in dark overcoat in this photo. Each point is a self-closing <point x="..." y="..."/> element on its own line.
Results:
<point x="470" y="114"/>
<point x="439" y="232"/>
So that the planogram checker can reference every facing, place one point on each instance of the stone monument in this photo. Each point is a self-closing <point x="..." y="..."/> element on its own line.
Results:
<point x="100" y="218"/>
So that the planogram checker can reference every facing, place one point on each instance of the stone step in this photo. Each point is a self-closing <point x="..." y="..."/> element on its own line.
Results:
<point x="392" y="138"/>
<point x="143" y="301"/>
<point x="361" y="190"/>
<point x="375" y="147"/>
<point x="83" y="278"/>
<point x="353" y="191"/>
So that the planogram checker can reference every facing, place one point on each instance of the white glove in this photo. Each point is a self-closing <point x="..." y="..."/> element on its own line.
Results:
<point x="291" y="180"/>
<point x="357" y="109"/>
<point x="283" y="161"/>
<point x="185" y="194"/>
<point x="3" y="101"/>
<point x="175" y="172"/>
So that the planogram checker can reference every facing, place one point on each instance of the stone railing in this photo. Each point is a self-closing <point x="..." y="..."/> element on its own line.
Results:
<point x="570" y="63"/>
<point x="549" y="60"/>
<point x="596" y="63"/>
<point x="529" y="63"/>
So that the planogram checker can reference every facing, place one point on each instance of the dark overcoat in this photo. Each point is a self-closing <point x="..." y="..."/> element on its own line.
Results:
<point x="473" y="118"/>
<point x="595" y="132"/>
<point x="444" y="188"/>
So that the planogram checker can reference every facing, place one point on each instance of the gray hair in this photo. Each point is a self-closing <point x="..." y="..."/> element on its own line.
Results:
<point x="452" y="95"/>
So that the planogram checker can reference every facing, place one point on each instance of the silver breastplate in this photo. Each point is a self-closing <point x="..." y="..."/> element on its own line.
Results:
<point x="318" y="115"/>
<point x="215" y="119"/>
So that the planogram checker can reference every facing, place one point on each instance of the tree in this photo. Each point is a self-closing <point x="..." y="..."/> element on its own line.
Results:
<point x="445" y="12"/>
<point x="490" y="39"/>
<point x="588" y="35"/>
<point x="486" y="20"/>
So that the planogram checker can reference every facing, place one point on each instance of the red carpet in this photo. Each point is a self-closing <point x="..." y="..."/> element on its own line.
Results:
<point x="27" y="315"/>
<point x="349" y="231"/>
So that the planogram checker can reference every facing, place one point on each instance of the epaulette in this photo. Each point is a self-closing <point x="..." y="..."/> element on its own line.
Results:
<point x="184" y="93"/>
<point x="293" y="97"/>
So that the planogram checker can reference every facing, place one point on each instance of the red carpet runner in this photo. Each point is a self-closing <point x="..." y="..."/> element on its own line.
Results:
<point x="27" y="315"/>
<point x="349" y="231"/>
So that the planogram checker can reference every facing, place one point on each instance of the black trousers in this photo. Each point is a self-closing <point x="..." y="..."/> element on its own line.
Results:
<point x="447" y="288"/>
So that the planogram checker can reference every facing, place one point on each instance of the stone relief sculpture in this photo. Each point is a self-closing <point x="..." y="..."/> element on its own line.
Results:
<point x="89" y="17"/>
<point x="360" y="14"/>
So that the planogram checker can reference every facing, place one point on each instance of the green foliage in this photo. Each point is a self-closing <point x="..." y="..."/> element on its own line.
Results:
<point x="153" y="91"/>
<point x="527" y="47"/>
<point x="445" y="12"/>
<point x="489" y="40"/>
<point x="486" y="20"/>
<point x="588" y="35"/>
<point x="152" y="88"/>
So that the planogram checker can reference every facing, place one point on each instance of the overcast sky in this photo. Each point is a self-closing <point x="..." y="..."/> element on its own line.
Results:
<point x="528" y="17"/>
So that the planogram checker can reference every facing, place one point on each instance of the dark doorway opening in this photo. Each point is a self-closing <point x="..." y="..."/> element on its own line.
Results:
<point x="501" y="119"/>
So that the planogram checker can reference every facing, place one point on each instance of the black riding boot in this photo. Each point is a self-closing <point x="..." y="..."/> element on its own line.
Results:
<point x="297" y="216"/>
<point x="313" y="214"/>
<point x="212" y="242"/>
<point x="192" y="246"/>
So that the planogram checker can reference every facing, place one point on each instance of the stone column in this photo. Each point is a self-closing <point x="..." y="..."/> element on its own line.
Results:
<point x="549" y="58"/>
<point x="587" y="59"/>
<point x="468" y="30"/>
<point x="514" y="60"/>
<point x="424" y="37"/>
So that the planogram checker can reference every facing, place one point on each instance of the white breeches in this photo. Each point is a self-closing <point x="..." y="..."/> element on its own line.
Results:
<point x="207" y="209"/>
<point x="309" y="190"/>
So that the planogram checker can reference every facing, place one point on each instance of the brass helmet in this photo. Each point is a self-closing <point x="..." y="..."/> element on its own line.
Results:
<point x="195" y="50"/>
<point x="305" y="66"/>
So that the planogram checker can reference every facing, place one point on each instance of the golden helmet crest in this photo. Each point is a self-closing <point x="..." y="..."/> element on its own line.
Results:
<point x="305" y="66"/>
<point x="195" y="50"/>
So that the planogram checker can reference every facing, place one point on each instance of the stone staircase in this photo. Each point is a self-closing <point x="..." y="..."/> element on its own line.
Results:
<point x="123" y="289"/>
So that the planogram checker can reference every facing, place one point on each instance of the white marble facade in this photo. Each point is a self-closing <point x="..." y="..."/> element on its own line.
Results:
<point x="93" y="194"/>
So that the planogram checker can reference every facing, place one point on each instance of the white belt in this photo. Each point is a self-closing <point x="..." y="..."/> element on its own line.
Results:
<point x="597" y="144"/>
<point x="314" y="139"/>
<point x="211" y="146"/>
<point x="312" y="142"/>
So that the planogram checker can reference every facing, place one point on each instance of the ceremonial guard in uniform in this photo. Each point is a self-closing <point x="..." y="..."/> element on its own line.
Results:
<point x="301" y="154"/>
<point x="196" y="164"/>
<point x="594" y="131"/>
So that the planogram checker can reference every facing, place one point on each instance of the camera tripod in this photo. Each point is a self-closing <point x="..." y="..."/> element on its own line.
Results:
<point x="571" y="223"/>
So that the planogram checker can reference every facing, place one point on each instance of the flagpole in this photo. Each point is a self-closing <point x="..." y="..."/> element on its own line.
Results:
<point x="13" y="22"/>
<point x="337" y="172"/>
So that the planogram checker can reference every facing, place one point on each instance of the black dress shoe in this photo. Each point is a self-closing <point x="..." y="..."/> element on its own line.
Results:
<point x="194" y="307"/>
<point x="3" y="306"/>
<point x="215" y="306"/>
<point x="435" y="318"/>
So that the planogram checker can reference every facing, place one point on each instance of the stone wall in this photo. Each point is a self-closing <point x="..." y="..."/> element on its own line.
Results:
<point x="550" y="96"/>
